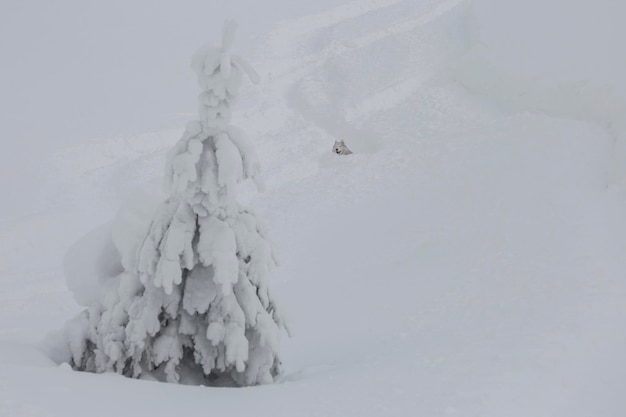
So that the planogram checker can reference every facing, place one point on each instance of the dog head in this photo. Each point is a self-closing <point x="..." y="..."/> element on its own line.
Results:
<point x="340" y="148"/>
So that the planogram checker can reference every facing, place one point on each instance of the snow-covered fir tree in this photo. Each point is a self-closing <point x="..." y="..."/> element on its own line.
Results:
<point x="193" y="304"/>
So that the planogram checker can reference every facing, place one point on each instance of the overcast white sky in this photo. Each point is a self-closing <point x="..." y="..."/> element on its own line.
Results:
<point x="74" y="69"/>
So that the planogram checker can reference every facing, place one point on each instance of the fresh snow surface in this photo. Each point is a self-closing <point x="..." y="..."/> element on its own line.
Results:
<point x="466" y="260"/>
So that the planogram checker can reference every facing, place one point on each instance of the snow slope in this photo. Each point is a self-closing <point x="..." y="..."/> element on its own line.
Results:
<point x="466" y="260"/>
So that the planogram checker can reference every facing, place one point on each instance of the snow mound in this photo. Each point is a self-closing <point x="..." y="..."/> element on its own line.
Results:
<point x="92" y="264"/>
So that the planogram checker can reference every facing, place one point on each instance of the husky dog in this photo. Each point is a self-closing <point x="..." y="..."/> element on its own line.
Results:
<point x="340" y="148"/>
